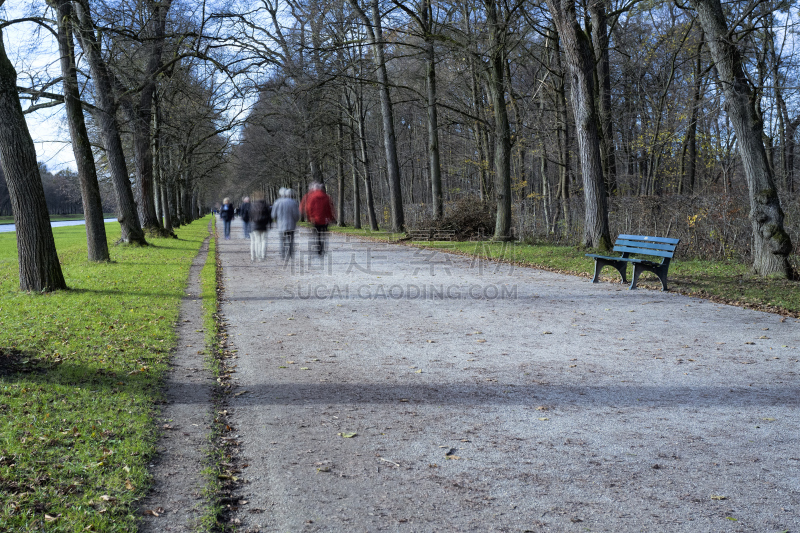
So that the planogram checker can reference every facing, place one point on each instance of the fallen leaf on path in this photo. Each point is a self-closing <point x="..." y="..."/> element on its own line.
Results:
<point x="717" y="497"/>
<point x="240" y="393"/>
<point x="150" y="512"/>
<point x="542" y="408"/>
<point x="547" y="333"/>
<point x="291" y="334"/>
<point x="324" y="469"/>
<point x="481" y="340"/>
<point x="304" y="368"/>
<point x="347" y="435"/>
<point x="544" y="418"/>
<point x="769" y="419"/>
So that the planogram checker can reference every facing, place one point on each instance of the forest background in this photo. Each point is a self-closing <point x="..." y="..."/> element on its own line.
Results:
<point x="564" y="122"/>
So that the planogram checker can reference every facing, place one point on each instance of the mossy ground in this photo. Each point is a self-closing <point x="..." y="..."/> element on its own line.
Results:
<point x="80" y="374"/>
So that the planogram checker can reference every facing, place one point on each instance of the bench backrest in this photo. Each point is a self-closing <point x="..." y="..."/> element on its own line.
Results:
<point x="645" y="245"/>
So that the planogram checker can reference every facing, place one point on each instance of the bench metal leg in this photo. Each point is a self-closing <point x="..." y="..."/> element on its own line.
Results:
<point x="621" y="267"/>
<point x="660" y="271"/>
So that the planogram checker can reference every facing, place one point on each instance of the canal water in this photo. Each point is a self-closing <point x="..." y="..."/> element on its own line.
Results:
<point x="5" y="228"/>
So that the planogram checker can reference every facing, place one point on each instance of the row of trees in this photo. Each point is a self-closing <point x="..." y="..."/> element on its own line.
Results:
<point x="396" y="103"/>
<point x="144" y="114"/>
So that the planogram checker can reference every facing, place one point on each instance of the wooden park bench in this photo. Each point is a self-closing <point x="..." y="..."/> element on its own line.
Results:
<point x="662" y="247"/>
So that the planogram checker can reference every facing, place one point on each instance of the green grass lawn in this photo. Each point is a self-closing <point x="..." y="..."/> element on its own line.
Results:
<point x="730" y="282"/>
<point x="80" y="374"/>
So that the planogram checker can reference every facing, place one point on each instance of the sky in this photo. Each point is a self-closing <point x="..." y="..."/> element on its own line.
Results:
<point x="34" y="53"/>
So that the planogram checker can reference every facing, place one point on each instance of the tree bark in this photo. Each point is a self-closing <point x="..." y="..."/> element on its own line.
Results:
<point x="771" y="243"/>
<point x="97" y="243"/>
<point x="39" y="269"/>
<point x="143" y="113"/>
<point x="502" y="129"/>
<point x="691" y="135"/>
<point x="580" y="62"/>
<point x="375" y="32"/>
<point x="356" y="192"/>
<point x="597" y="10"/>
<point x="434" y="165"/>
<point x="340" y="173"/>
<point x="106" y="117"/>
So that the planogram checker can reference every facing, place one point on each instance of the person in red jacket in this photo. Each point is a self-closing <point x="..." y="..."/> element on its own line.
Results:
<point x="318" y="210"/>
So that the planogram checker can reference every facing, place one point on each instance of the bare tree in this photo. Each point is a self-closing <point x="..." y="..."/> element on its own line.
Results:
<point x="39" y="269"/>
<point x="771" y="243"/>
<point x="580" y="61"/>
<point x="81" y="145"/>
<point x="106" y="117"/>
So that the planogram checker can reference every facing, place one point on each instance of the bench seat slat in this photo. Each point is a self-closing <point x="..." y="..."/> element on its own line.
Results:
<point x="648" y="245"/>
<point x="643" y="251"/>
<point x="642" y="238"/>
<point x="624" y="259"/>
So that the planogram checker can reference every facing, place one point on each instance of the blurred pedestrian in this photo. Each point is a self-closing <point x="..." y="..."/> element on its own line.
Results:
<point x="245" y="212"/>
<point x="318" y="209"/>
<point x="286" y="213"/>
<point x="226" y="214"/>
<point x="260" y="217"/>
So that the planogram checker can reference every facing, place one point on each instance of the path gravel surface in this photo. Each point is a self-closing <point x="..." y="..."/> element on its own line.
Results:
<point x="389" y="388"/>
<point x="175" y="501"/>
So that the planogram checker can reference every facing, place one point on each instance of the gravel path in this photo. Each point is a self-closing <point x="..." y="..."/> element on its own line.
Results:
<point x="175" y="502"/>
<point x="389" y="388"/>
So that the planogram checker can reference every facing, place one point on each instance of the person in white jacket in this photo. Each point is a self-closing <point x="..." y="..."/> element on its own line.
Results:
<point x="286" y="213"/>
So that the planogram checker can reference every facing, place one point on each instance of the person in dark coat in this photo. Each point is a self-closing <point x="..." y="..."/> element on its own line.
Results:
<point x="226" y="214"/>
<point x="246" y="218"/>
<point x="260" y="218"/>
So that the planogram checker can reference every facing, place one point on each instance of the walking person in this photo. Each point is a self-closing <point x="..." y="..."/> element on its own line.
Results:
<point x="286" y="213"/>
<point x="260" y="218"/>
<point x="246" y="217"/>
<point x="226" y="214"/>
<point x="318" y="209"/>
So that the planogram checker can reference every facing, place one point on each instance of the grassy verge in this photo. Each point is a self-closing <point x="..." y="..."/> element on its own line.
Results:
<point x="210" y="518"/>
<point x="80" y="371"/>
<point x="728" y="282"/>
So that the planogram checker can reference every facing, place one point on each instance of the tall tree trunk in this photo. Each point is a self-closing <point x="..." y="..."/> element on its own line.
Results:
<point x="600" y="41"/>
<point x="143" y="117"/>
<point x="97" y="243"/>
<point x="580" y="62"/>
<point x="375" y="32"/>
<point x="39" y="269"/>
<point x="106" y="117"/>
<point x="771" y="243"/>
<point x="362" y="137"/>
<point x="502" y="129"/>
<point x="691" y="134"/>
<point x="434" y="167"/>
<point x="356" y="192"/>
<point x="562" y="125"/>
<point x="340" y="172"/>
